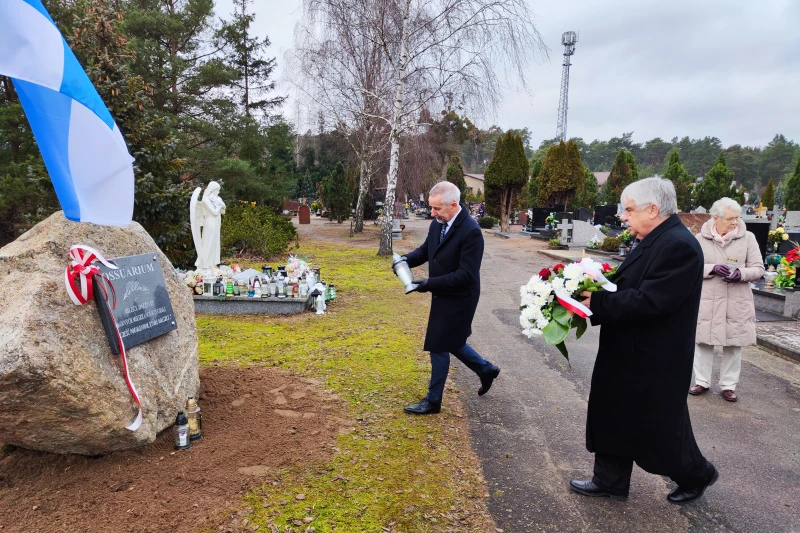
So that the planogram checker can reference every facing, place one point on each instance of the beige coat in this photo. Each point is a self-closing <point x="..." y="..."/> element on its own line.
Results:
<point x="727" y="314"/>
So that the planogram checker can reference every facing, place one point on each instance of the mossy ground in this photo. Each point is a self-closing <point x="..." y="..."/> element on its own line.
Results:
<point x="392" y="472"/>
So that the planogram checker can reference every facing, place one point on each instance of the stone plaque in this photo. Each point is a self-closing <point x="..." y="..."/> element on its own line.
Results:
<point x="143" y="309"/>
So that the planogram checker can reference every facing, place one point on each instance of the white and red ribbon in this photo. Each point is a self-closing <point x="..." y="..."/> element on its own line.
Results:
<point x="571" y="304"/>
<point x="82" y="268"/>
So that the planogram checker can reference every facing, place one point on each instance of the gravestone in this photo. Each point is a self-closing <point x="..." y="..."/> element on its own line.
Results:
<point x="564" y="225"/>
<point x="304" y="214"/>
<point x="760" y="229"/>
<point x="792" y="221"/>
<point x="605" y="214"/>
<point x="523" y="218"/>
<point x="700" y="210"/>
<point x="397" y="231"/>
<point x="538" y="216"/>
<point x="583" y="232"/>
<point x="785" y="246"/>
<point x="583" y="214"/>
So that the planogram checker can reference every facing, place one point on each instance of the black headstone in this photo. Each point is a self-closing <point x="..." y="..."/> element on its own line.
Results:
<point x="606" y="214"/>
<point x="583" y="214"/>
<point x="143" y="310"/>
<point x="538" y="216"/>
<point x="761" y="231"/>
<point x="562" y="216"/>
<point x="785" y="246"/>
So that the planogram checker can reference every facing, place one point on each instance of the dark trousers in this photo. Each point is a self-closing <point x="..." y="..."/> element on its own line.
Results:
<point x="440" y="367"/>
<point x="613" y="474"/>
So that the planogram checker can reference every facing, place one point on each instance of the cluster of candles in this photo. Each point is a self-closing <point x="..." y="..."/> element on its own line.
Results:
<point x="270" y="284"/>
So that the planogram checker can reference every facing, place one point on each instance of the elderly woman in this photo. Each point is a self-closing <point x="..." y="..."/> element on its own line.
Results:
<point x="727" y="315"/>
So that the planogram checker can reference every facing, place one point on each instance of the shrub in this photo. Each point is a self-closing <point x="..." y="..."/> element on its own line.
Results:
<point x="487" y="222"/>
<point x="256" y="229"/>
<point x="554" y="242"/>
<point x="611" y="244"/>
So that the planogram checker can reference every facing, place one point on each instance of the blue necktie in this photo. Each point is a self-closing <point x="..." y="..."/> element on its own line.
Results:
<point x="444" y="230"/>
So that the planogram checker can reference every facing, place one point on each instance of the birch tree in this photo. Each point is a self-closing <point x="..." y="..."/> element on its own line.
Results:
<point x="448" y="50"/>
<point x="340" y="70"/>
<point x="431" y="52"/>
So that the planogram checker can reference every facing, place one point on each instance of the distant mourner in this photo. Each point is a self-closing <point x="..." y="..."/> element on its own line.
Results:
<point x="637" y="403"/>
<point x="727" y="312"/>
<point x="453" y="251"/>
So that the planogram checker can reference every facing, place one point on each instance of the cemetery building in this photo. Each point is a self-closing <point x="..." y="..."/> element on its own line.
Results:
<point x="475" y="183"/>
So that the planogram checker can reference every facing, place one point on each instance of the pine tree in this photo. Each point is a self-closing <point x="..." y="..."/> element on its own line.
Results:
<point x="505" y="176"/>
<point x="563" y="176"/>
<point x="768" y="198"/>
<point x="160" y="200"/>
<point x="793" y="190"/>
<point x="455" y="175"/>
<point x="716" y="184"/>
<point x="677" y="174"/>
<point x="245" y="53"/>
<point x="336" y="195"/>
<point x="624" y="171"/>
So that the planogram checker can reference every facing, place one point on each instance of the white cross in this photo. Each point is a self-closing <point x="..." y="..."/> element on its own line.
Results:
<point x="566" y="231"/>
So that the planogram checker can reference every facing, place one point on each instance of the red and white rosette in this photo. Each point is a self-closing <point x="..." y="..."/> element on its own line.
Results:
<point x="82" y="267"/>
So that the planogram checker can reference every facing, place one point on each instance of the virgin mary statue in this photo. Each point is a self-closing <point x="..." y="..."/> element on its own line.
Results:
<point x="206" y="220"/>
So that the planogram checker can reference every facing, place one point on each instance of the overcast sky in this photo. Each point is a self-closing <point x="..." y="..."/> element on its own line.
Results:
<point x="724" y="68"/>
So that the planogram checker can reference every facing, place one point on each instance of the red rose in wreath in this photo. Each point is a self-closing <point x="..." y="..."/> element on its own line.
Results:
<point x="545" y="273"/>
<point x="558" y="267"/>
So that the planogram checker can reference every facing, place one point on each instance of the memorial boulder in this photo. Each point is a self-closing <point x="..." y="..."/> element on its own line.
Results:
<point x="62" y="389"/>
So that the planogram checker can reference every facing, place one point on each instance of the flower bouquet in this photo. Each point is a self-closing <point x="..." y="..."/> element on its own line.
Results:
<point x="625" y="237"/>
<point x="777" y="236"/>
<point x="296" y="267"/>
<point x="551" y="220"/>
<point x="595" y="242"/>
<point x="787" y="269"/>
<point x="549" y="301"/>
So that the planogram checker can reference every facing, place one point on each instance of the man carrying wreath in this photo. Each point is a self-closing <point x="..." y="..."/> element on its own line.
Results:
<point x="637" y="403"/>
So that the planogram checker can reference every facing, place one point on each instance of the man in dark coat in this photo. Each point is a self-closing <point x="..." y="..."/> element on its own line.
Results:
<point x="453" y="251"/>
<point x="637" y="404"/>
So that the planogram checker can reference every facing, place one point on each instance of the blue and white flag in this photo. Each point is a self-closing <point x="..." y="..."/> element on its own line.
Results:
<point x="83" y="149"/>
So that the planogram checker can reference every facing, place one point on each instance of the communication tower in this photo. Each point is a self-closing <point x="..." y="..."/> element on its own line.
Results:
<point x="568" y="39"/>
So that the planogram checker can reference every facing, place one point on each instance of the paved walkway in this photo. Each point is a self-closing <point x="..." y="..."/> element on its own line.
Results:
<point x="529" y="430"/>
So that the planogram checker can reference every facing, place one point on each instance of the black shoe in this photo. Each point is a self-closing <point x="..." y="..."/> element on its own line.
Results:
<point x="487" y="379"/>
<point x="424" y="407"/>
<point x="680" y="495"/>
<point x="585" y="486"/>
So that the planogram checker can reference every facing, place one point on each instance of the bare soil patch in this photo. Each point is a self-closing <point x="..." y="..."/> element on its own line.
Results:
<point x="256" y="421"/>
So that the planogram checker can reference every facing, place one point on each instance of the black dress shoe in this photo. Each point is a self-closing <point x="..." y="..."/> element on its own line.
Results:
<point x="680" y="495"/>
<point x="423" y="407"/>
<point x="487" y="379"/>
<point x="585" y="486"/>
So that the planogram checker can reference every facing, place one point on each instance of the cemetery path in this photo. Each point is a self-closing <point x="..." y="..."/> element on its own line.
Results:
<point x="529" y="430"/>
